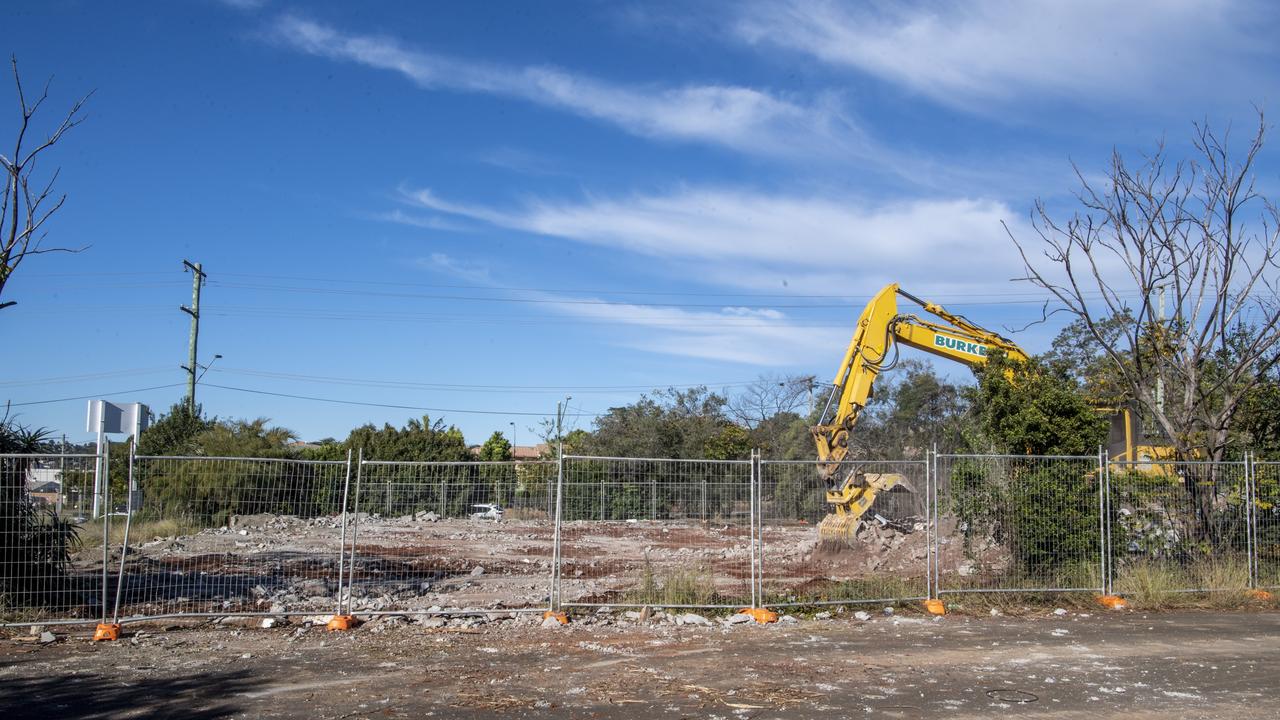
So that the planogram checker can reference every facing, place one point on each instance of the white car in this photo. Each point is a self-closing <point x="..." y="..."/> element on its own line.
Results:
<point x="486" y="512"/>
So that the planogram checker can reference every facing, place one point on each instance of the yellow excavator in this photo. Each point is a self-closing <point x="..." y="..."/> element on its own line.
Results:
<point x="873" y="349"/>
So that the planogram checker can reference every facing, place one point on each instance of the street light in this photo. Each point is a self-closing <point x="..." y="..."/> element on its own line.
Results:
<point x="513" y="439"/>
<point x="205" y="368"/>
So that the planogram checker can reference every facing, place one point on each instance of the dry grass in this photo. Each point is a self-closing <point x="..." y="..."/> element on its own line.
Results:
<point x="694" y="586"/>
<point x="139" y="531"/>
<point x="1162" y="585"/>
<point x="524" y="513"/>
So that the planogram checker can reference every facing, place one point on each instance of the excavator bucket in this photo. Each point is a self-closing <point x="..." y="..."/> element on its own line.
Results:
<point x="851" y="501"/>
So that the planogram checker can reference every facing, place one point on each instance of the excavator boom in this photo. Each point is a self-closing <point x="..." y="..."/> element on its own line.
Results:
<point x="872" y="350"/>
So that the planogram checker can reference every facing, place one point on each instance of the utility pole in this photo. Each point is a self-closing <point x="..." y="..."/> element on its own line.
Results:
<point x="197" y="279"/>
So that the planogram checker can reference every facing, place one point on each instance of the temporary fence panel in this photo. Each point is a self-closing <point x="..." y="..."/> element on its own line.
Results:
<point x="1266" y="523"/>
<point x="671" y="533"/>
<point x="450" y="536"/>
<point x="1187" y="522"/>
<point x="1018" y="523"/>
<point x="886" y="558"/>
<point x="228" y="536"/>
<point x="51" y="551"/>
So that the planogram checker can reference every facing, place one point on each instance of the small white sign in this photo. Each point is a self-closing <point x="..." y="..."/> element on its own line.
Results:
<point x="108" y="417"/>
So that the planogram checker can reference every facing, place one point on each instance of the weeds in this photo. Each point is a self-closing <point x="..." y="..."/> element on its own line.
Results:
<point x="139" y="531"/>
<point x="693" y="586"/>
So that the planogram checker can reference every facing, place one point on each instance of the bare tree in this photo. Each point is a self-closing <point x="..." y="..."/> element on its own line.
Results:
<point x="29" y="202"/>
<point x="1196" y="235"/>
<point x="770" y="396"/>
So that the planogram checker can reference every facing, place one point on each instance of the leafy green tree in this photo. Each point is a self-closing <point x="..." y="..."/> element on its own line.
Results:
<point x="175" y="433"/>
<point x="1031" y="409"/>
<point x="419" y="440"/>
<point x="496" y="448"/>
<point x="1043" y="511"/>
<point x="912" y="410"/>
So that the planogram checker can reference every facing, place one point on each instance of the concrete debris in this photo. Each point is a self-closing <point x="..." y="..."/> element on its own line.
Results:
<point x="822" y="616"/>
<point x="738" y="619"/>
<point x="477" y="571"/>
<point x="862" y="615"/>
<point x="788" y="620"/>
<point x="268" y="623"/>
<point x="433" y="622"/>
<point x="551" y="622"/>
<point x="887" y="611"/>
<point x="47" y="637"/>
<point x="692" y="619"/>
<point x="1059" y="612"/>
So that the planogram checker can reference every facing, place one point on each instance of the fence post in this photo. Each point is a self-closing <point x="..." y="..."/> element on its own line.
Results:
<point x="553" y="600"/>
<point x="1103" y="522"/>
<point x="128" y="520"/>
<point x="1250" y="525"/>
<point x="104" y="460"/>
<point x="758" y="471"/>
<point x="355" y="531"/>
<point x="934" y="562"/>
<point x="342" y="543"/>
<point x="706" y="521"/>
<point x="751" y="522"/>
<point x="930" y="459"/>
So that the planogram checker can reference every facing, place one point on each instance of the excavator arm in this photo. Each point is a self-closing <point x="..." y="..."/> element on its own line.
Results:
<point x="881" y="328"/>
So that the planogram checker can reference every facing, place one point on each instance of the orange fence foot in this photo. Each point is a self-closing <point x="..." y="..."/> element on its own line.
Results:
<point x="1114" y="602"/>
<point x="342" y="622"/>
<point x="560" y="617"/>
<point x="106" y="631"/>
<point x="1259" y="595"/>
<point x="764" y="616"/>
<point x="934" y="606"/>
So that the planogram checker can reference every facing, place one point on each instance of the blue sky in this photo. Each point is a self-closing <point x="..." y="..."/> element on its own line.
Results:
<point x="485" y="207"/>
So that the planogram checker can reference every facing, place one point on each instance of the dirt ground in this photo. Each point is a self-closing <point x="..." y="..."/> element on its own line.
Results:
<point x="1077" y="665"/>
<point x="277" y="563"/>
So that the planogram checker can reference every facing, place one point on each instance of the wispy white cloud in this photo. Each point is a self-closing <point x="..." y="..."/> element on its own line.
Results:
<point x="755" y="239"/>
<point x="444" y="264"/>
<point x="734" y="334"/>
<point x="974" y="54"/>
<point x="244" y="4"/>
<point x="940" y="248"/>
<point x="520" y="161"/>
<point x="742" y="118"/>
<point x="426" y="222"/>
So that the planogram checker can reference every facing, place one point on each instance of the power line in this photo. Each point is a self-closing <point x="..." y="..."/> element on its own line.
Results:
<point x="95" y="395"/>
<point x="387" y="405"/>
<point x="474" y="388"/>
<point x="76" y="378"/>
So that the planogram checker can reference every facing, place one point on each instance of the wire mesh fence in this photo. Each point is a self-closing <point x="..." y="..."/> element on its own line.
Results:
<point x="451" y="537"/>
<point x="1185" y="524"/>
<point x="1019" y="523"/>
<point x="674" y="533"/>
<point x="1265" y="521"/>
<point x="51" y="555"/>
<point x="886" y="556"/>
<point x="232" y="536"/>
<point x="245" y="536"/>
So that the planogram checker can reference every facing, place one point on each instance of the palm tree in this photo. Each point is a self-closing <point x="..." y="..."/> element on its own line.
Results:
<point x="35" y="544"/>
